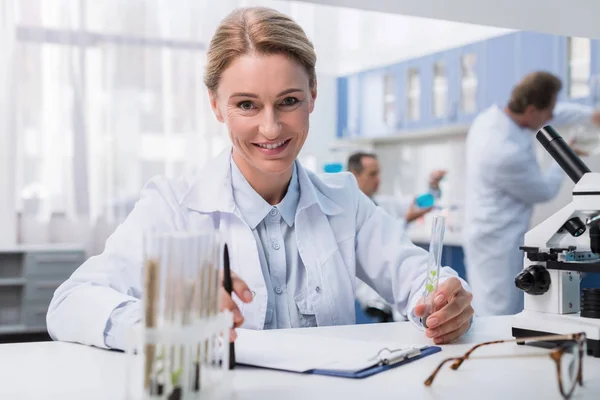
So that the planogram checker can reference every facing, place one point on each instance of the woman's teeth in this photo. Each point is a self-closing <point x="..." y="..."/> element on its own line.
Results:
<point x="272" y="146"/>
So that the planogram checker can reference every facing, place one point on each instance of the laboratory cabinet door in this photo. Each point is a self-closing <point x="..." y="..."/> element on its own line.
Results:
<point x="595" y="73"/>
<point x="353" y="93"/>
<point x="441" y="86"/>
<point x="392" y="96"/>
<point x="501" y="65"/>
<point x="375" y="117"/>
<point x="538" y="52"/>
<point x="400" y="104"/>
<point x="342" y="107"/>
<point x="471" y="81"/>
<point x="576" y="63"/>
<point x="417" y="81"/>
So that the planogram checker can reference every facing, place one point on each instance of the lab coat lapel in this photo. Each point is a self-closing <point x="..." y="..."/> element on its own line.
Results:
<point x="212" y="195"/>
<point x="316" y="244"/>
<point x="245" y="262"/>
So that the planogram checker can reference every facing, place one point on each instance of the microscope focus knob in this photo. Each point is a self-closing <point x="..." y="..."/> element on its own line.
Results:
<point x="534" y="280"/>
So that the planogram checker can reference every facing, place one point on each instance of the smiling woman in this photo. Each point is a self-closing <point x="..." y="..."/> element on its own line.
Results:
<point x="297" y="241"/>
<point x="261" y="80"/>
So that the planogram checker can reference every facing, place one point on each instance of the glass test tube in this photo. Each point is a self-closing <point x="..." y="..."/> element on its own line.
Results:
<point x="438" y="228"/>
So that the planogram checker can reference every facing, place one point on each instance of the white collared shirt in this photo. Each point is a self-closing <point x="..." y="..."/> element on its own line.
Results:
<point x="274" y="232"/>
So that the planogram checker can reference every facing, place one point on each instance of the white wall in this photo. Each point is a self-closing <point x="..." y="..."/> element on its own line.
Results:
<point x="349" y="40"/>
<point x="544" y="210"/>
<point x="578" y="18"/>
<point x="323" y="123"/>
<point x="8" y="223"/>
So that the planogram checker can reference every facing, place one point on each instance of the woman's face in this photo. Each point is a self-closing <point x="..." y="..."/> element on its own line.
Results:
<point x="265" y="101"/>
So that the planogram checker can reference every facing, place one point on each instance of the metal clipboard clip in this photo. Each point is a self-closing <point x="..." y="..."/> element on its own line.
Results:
<point x="386" y="356"/>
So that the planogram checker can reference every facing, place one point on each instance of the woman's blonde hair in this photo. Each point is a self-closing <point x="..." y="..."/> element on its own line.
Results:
<point x="261" y="30"/>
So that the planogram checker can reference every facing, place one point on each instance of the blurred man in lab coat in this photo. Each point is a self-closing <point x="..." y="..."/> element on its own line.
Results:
<point x="365" y="167"/>
<point x="503" y="183"/>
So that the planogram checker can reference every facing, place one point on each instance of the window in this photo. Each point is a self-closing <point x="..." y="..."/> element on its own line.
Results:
<point x="440" y="90"/>
<point x="100" y="110"/>
<point x="414" y="95"/>
<point x="468" y="84"/>
<point x="579" y="64"/>
<point x="389" y="100"/>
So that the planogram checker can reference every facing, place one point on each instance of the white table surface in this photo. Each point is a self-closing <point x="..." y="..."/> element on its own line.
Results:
<point x="50" y="370"/>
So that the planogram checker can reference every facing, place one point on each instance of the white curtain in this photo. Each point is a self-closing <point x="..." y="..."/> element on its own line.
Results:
<point x="107" y="94"/>
<point x="7" y="140"/>
<point x="103" y="95"/>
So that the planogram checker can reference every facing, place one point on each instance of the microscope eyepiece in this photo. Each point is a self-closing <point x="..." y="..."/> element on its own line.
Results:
<point x="575" y="227"/>
<point x="562" y="153"/>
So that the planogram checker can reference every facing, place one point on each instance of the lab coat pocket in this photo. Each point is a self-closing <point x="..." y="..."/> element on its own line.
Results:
<point x="306" y="311"/>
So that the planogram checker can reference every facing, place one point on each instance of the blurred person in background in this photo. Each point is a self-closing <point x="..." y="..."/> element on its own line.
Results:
<point x="504" y="182"/>
<point x="365" y="167"/>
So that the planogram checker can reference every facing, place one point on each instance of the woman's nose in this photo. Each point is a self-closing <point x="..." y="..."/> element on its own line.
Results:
<point x="270" y="125"/>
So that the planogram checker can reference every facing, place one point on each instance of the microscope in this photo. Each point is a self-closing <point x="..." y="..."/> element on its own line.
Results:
<point x="556" y="254"/>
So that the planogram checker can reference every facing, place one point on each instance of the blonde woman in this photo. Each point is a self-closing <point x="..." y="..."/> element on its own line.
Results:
<point x="297" y="241"/>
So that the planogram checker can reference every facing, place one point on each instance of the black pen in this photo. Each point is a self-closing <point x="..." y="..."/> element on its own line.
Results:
<point x="228" y="284"/>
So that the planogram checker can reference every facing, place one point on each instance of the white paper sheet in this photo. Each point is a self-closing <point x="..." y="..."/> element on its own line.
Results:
<point x="289" y="351"/>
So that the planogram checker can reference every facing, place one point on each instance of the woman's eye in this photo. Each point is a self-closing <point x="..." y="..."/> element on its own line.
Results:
<point x="246" y="105"/>
<point x="289" y="101"/>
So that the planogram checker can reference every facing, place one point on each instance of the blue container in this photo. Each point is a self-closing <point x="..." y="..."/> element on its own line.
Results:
<point x="425" y="200"/>
<point x="332" y="168"/>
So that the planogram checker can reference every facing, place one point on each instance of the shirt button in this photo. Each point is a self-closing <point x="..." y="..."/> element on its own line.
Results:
<point x="278" y="290"/>
<point x="253" y="294"/>
<point x="273" y="211"/>
<point x="318" y="289"/>
<point x="276" y="245"/>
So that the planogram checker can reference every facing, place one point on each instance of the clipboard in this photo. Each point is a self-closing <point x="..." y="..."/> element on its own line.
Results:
<point x="346" y="358"/>
<point x="382" y="362"/>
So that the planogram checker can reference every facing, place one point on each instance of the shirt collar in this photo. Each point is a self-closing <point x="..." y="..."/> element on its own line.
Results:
<point x="289" y="204"/>
<point x="254" y="208"/>
<point x="210" y="189"/>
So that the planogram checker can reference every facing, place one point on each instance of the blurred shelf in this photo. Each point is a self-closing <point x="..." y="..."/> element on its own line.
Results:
<point x="58" y="247"/>
<point x="12" y="329"/>
<point x="454" y="130"/>
<point x="12" y="281"/>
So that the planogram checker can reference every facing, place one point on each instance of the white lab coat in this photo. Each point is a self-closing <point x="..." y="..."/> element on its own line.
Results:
<point x="366" y="296"/>
<point x="341" y="236"/>
<point x="395" y="206"/>
<point x="503" y="182"/>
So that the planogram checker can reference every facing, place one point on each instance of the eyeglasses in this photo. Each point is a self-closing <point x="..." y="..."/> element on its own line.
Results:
<point x="567" y="355"/>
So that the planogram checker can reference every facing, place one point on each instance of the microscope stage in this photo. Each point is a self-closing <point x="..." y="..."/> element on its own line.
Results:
<point x="531" y="323"/>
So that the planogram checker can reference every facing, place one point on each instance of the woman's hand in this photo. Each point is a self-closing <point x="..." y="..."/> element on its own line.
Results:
<point x="243" y="292"/>
<point x="452" y="314"/>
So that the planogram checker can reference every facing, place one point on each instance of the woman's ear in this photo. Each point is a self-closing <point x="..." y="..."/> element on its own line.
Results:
<point x="214" y="105"/>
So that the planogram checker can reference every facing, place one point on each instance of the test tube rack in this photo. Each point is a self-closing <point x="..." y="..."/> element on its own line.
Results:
<point x="200" y="348"/>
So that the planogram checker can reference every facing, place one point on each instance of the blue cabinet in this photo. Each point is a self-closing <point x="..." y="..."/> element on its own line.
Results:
<point x="501" y="67"/>
<point x="399" y="72"/>
<point x="595" y="70"/>
<point x="372" y="102"/>
<point x="442" y="89"/>
<point x="342" y="106"/>
<point x="353" y="114"/>
<point x="471" y="81"/>
<point x="416" y="93"/>
<point x="578" y="69"/>
<point x="453" y="86"/>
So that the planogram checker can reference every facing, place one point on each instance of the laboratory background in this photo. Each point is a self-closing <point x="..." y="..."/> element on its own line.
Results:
<point x="97" y="97"/>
